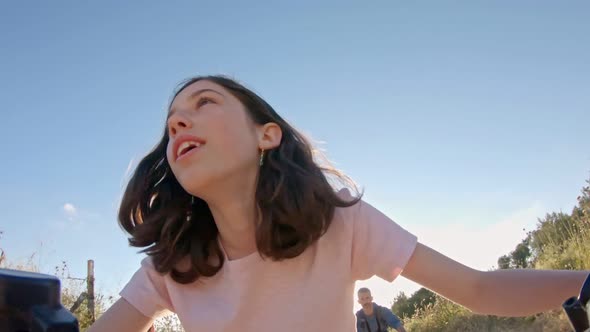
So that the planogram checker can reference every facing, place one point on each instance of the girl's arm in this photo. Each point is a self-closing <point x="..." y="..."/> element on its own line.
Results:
<point x="501" y="293"/>
<point x="121" y="316"/>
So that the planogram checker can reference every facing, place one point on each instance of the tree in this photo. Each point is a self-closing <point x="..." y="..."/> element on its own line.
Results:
<point x="519" y="258"/>
<point x="521" y="255"/>
<point x="504" y="262"/>
<point x="406" y="307"/>
<point x="560" y="240"/>
<point x="401" y="306"/>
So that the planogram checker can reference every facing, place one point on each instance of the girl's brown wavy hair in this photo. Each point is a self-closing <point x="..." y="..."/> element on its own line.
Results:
<point x="294" y="197"/>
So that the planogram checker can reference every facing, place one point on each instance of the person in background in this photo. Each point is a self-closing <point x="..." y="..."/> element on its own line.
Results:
<point x="373" y="317"/>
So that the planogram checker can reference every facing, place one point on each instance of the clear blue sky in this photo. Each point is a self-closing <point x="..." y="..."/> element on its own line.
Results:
<point x="466" y="112"/>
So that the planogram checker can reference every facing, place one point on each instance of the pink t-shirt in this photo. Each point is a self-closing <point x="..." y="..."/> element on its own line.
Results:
<point x="311" y="292"/>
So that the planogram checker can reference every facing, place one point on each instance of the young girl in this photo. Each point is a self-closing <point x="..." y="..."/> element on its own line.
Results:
<point x="244" y="231"/>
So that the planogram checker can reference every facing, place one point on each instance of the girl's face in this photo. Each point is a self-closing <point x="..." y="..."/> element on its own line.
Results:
<point x="213" y="141"/>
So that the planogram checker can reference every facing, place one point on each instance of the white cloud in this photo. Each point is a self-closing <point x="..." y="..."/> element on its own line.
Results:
<point x="475" y="245"/>
<point x="70" y="211"/>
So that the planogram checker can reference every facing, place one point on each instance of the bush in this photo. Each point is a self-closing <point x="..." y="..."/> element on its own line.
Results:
<point x="446" y="316"/>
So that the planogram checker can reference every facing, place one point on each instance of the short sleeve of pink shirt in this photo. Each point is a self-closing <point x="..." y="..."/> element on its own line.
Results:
<point x="317" y="286"/>
<point x="147" y="291"/>
<point x="379" y="246"/>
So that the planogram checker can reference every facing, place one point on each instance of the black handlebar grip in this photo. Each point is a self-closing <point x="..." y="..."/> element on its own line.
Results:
<point x="31" y="302"/>
<point x="575" y="308"/>
<point x="576" y="314"/>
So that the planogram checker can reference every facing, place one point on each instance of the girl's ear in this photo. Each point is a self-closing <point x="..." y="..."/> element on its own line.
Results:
<point x="269" y="136"/>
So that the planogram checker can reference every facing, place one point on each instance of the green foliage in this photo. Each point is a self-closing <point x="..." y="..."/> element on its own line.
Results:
<point x="405" y="307"/>
<point x="504" y="262"/>
<point x="71" y="290"/>
<point x="446" y="316"/>
<point x="521" y="255"/>
<point x="519" y="258"/>
<point x="560" y="241"/>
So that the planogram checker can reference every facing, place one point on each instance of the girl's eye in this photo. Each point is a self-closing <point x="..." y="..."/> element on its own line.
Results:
<point x="204" y="101"/>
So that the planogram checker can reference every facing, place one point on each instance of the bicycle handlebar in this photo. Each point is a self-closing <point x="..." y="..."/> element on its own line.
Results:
<point x="30" y="302"/>
<point x="578" y="308"/>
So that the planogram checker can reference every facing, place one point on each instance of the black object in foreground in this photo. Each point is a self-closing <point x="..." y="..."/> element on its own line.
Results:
<point x="30" y="302"/>
<point x="578" y="309"/>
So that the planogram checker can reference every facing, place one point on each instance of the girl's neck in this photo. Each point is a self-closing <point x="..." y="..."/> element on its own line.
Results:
<point x="236" y="222"/>
<point x="233" y="206"/>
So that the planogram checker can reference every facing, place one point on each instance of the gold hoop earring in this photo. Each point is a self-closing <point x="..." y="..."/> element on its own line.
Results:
<point x="261" y="157"/>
